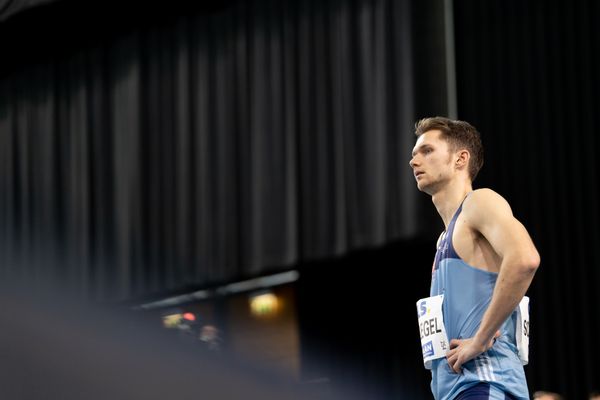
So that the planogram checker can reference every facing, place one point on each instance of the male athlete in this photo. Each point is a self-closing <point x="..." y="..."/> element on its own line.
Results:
<point x="484" y="264"/>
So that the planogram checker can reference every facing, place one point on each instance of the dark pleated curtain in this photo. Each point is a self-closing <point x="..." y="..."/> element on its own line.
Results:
<point x="209" y="147"/>
<point x="528" y="78"/>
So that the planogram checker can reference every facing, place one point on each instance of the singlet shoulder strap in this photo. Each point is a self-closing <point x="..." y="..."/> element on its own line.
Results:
<point x="451" y="252"/>
<point x="457" y="212"/>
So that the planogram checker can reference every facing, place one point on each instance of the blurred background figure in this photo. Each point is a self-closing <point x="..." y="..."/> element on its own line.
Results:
<point x="543" y="395"/>
<point x="594" y="396"/>
<point x="209" y="335"/>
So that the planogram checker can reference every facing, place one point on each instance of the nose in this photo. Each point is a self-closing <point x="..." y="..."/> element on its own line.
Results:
<point x="413" y="161"/>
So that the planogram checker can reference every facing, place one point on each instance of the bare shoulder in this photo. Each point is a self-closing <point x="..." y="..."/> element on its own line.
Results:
<point x="489" y="214"/>
<point x="484" y="205"/>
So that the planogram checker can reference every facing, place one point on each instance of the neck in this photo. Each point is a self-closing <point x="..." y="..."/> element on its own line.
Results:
<point x="448" y="199"/>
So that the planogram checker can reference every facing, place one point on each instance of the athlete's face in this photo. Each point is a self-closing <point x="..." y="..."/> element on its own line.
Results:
<point x="431" y="162"/>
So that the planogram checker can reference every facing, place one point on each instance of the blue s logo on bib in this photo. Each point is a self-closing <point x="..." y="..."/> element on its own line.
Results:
<point x="422" y="308"/>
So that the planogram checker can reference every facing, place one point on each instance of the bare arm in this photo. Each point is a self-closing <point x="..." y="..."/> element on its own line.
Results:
<point x="489" y="214"/>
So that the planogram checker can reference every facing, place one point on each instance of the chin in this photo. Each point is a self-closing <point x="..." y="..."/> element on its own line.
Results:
<point x="425" y="188"/>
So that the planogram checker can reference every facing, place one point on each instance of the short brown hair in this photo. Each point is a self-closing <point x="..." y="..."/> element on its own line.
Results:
<point x="458" y="134"/>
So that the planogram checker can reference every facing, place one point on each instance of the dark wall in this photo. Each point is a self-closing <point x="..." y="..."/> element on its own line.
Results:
<point x="429" y="58"/>
<point x="528" y="79"/>
<point x="357" y="316"/>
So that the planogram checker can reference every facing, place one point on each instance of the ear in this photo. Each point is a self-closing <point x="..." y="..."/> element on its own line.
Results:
<point x="462" y="158"/>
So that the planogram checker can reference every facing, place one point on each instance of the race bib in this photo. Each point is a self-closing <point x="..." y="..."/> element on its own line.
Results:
<point x="522" y="330"/>
<point x="434" y="341"/>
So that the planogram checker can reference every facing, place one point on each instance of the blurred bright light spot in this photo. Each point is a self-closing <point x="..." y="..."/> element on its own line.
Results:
<point x="172" y="320"/>
<point x="264" y="304"/>
<point x="189" y="316"/>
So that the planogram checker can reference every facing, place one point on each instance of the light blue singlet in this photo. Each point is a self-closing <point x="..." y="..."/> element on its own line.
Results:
<point x="467" y="293"/>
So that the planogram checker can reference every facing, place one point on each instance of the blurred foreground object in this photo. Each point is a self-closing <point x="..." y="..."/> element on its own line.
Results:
<point x="56" y="347"/>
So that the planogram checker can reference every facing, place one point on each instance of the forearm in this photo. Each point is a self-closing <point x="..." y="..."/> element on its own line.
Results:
<point x="511" y="285"/>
